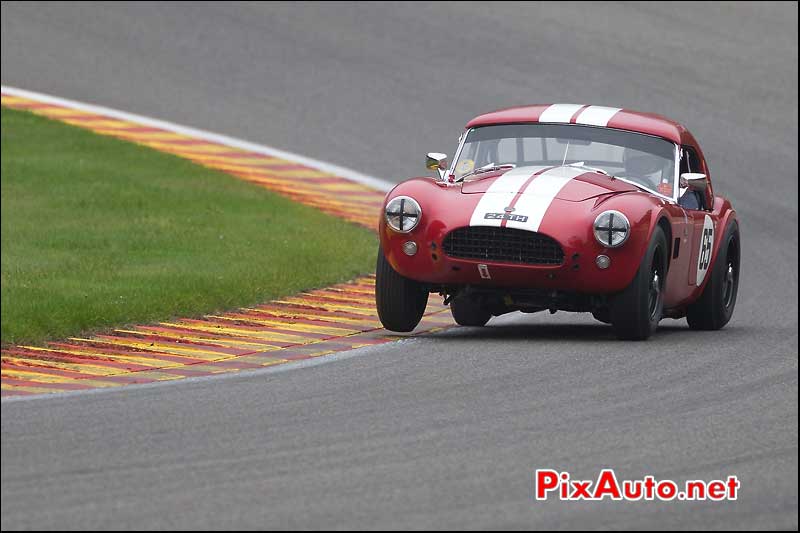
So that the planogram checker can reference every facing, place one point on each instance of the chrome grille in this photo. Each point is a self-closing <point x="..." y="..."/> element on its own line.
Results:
<point x="508" y="245"/>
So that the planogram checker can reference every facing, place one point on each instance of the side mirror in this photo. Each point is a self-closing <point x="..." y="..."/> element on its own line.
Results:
<point x="438" y="162"/>
<point x="694" y="181"/>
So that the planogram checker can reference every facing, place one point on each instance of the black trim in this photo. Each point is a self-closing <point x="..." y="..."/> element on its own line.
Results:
<point x="506" y="245"/>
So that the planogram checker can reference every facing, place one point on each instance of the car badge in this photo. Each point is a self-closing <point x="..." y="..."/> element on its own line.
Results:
<point x="509" y="209"/>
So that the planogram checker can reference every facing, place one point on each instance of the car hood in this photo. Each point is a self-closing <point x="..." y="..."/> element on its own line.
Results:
<point x="564" y="183"/>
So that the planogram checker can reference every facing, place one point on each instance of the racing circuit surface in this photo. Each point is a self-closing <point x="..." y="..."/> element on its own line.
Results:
<point x="444" y="430"/>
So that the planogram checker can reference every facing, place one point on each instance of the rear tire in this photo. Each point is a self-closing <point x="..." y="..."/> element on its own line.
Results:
<point x="400" y="301"/>
<point x="637" y="310"/>
<point x="715" y="306"/>
<point x="468" y="312"/>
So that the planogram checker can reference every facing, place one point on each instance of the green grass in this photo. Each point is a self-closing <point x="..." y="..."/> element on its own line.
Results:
<point x="100" y="233"/>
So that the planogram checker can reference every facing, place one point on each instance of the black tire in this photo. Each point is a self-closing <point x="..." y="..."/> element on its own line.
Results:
<point x="603" y="315"/>
<point x="400" y="301"/>
<point x="637" y="310"/>
<point x="715" y="306"/>
<point x="468" y="312"/>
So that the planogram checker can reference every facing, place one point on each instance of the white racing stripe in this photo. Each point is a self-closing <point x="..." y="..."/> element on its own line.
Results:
<point x="532" y="203"/>
<point x="560" y="113"/>
<point x="500" y="194"/>
<point x="538" y="196"/>
<point x="597" y="115"/>
<point x="593" y="115"/>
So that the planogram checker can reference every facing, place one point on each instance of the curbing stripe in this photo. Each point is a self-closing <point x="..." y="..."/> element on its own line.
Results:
<point x="308" y="325"/>
<point x="139" y="120"/>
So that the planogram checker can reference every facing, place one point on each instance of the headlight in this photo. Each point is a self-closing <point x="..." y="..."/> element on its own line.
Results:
<point x="611" y="229"/>
<point x="403" y="214"/>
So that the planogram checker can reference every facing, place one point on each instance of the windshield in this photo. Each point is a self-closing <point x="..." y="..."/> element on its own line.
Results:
<point x="644" y="160"/>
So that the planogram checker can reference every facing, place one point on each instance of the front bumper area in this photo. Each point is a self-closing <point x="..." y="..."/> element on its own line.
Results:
<point x="578" y="272"/>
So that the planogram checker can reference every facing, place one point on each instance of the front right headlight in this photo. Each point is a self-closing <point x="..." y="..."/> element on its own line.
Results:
<point x="403" y="214"/>
<point x="611" y="229"/>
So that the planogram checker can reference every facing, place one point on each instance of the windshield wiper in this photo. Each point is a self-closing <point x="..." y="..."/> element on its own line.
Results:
<point x="486" y="168"/>
<point x="593" y="169"/>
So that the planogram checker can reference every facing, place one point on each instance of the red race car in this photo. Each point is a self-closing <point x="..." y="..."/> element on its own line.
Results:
<point x="563" y="207"/>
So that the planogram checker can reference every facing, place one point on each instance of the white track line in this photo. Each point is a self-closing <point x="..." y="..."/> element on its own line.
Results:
<point x="346" y="173"/>
<point x="370" y="181"/>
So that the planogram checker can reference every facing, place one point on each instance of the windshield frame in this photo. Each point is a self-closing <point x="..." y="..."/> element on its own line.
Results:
<point x="676" y="151"/>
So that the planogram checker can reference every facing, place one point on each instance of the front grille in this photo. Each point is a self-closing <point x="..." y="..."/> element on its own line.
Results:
<point x="508" y="245"/>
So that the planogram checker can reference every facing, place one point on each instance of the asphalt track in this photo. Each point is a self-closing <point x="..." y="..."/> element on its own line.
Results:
<point x="445" y="430"/>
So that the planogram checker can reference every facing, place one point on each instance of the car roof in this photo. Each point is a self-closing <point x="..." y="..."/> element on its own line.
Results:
<point x="602" y="116"/>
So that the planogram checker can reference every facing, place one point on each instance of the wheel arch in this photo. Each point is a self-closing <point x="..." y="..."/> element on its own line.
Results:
<point x="727" y="217"/>
<point x="665" y="225"/>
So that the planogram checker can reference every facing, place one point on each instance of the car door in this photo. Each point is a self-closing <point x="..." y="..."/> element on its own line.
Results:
<point x="703" y="223"/>
<point x="681" y="247"/>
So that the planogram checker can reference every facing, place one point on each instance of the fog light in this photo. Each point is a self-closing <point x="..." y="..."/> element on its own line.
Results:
<point x="409" y="247"/>
<point x="603" y="261"/>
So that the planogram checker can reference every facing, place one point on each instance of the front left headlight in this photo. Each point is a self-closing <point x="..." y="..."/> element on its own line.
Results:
<point x="611" y="229"/>
<point x="403" y="214"/>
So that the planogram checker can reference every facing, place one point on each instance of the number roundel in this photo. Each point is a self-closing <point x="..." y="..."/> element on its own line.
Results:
<point x="706" y="248"/>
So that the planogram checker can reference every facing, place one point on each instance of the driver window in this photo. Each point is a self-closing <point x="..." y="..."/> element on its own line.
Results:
<point x="690" y="163"/>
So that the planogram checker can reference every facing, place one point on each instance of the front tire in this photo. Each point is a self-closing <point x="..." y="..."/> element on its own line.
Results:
<point x="637" y="310"/>
<point x="603" y="315"/>
<point x="468" y="312"/>
<point x="715" y="306"/>
<point x="400" y="301"/>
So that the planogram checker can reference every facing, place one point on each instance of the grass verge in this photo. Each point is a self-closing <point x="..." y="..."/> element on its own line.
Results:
<point x="100" y="233"/>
